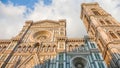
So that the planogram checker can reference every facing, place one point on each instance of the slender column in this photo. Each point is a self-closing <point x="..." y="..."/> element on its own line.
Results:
<point x="57" y="61"/>
<point x="64" y="60"/>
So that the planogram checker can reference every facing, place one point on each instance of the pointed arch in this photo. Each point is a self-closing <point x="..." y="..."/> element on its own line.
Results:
<point x="70" y="47"/>
<point x="48" y="48"/>
<point x="43" y="48"/>
<point x="19" y="49"/>
<point x="24" y="48"/>
<point x="95" y="11"/>
<point x="76" y="46"/>
<point x="54" y="48"/>
<point x="29" y="48"/>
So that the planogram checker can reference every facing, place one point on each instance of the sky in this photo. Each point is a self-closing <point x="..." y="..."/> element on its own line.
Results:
<point x="13" y="14"/>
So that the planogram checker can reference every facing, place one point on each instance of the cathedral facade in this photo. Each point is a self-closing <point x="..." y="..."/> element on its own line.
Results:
<point x="44" y="44"/>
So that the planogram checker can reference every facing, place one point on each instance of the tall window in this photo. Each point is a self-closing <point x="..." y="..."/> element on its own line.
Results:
<point x="102" y="22"/>
<point x="54" y="48"/>
<point x="95" y="11"/>
<point x="112" y="34"/>
<point x="19" y="49"/>
<point x="76" y="46"/>
<point x="24" y="48"/>
<point x="61" y="60"/>
<point x="48" y="49"/>
<point x="29" y="48"/>
<point x="70" y="47"/>
<point x="43" y="48"/>
<point x="108" y="22"/>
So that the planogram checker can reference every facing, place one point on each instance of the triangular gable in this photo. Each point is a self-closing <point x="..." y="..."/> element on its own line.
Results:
<point x="46" y="23"/>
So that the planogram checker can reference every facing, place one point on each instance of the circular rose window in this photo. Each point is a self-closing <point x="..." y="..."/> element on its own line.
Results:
<point x="42" y="36"/>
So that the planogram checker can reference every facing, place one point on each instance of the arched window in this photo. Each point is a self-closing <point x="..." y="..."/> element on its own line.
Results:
<point x="95" y="11"/>
<point x="48" y="49"/>
<point x="24" y="49"/>
<point x="43" y="48"/>
<point x="19" y="49"/>
<point x="32" y="49"/>
<point x="112" y="34"/>
<point x="108" y="22"/>
<point x="76" y="46"/>
<point x="54" y="48"/>
<point x="70" y="47"/>
<point x="102" y="22"/>
<point x="29" y="48"/>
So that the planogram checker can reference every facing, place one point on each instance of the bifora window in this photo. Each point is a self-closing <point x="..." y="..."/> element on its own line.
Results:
<point x="112" y="34"/>
<point x="102" y="22"/>
<point x="95" y="11"/>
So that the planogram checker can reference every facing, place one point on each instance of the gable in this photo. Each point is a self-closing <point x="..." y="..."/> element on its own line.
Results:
<point x="46" y="23"/>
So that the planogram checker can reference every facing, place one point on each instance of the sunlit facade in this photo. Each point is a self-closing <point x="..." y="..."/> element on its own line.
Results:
<point x="44" y="44"/>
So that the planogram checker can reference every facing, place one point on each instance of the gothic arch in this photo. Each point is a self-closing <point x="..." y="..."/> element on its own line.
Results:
<point x="70" y="47"/>
<point x="24" y="48"/>
<point x="54" y="48"/>
<point x="49" y="48"/>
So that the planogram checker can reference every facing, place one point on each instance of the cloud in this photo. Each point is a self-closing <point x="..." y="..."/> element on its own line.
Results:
<point x="69" y="10"/>
<point x="11" y="21"/>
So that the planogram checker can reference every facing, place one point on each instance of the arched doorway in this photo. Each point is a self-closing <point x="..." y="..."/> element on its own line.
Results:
<point x="78" y="62"/>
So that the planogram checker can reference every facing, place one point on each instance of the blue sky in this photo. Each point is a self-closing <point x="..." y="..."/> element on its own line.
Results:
<point x="28" y="3"/>
<point x="13" y="14"/>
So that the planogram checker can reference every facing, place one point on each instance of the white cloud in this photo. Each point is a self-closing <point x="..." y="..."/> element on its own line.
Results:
<point x="12" y="17"/>
<point x="11" y="20"/>
<point x="62" y="9"/>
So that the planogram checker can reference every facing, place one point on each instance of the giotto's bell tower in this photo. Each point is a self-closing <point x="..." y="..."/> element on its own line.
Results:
<point x="105" y="30"/>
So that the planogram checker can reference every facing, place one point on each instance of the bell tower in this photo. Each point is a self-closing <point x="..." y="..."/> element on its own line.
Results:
<point x="105" y="30"/>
